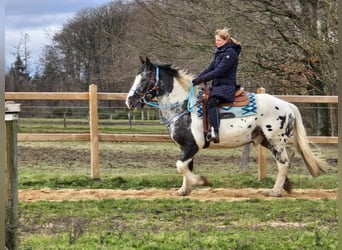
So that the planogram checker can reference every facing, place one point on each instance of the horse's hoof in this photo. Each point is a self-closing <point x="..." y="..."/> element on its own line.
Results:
<point x="204" y="181"/>
<point x="181" y="193"/>
<point x="273" y="193"/>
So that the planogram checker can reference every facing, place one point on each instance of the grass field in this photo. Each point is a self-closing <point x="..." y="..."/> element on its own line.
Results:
<point x="167" y="223"/>
<point x="46" y="125"/>
<point x="179" y="224"/>
<point x="141" y="165"/>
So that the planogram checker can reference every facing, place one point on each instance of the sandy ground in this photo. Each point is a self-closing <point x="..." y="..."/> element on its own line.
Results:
<point x="202" y="194"/>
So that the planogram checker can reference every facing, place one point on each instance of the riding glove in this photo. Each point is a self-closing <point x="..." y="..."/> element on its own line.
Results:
<point x="197" y="81"/>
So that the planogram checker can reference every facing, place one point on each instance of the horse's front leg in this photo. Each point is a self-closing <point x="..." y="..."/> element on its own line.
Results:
<point x="183" y="168"/>
<point x="189" y="178"/>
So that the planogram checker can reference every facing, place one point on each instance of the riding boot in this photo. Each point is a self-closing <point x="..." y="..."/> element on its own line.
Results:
<point x="215" y="122"/>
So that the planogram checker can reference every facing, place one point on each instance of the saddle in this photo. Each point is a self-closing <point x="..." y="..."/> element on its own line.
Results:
<point x="241" y="98"/>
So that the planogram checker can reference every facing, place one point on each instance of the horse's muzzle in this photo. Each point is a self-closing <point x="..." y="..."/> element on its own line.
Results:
<point x="130" y="102"/>
<point x="133" y="102"/>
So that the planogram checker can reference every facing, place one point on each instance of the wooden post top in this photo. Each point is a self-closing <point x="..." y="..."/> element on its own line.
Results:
<point x="12" y="111"/>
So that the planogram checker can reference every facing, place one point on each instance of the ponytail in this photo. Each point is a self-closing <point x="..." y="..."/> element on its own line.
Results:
<point x="224" y="34"/>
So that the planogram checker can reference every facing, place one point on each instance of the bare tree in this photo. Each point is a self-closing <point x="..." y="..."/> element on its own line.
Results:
<point x="288" y="46"/>
<point x="300" y="51"/>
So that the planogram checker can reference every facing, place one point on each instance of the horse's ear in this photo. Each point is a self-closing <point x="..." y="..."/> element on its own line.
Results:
<point x="142" y="60"/>
<point x="148" y="61"/>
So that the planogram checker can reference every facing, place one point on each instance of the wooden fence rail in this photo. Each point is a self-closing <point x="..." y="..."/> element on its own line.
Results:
<point x="94" y="137"/>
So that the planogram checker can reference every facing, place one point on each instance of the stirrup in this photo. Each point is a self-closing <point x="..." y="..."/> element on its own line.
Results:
<point x="208" y="137"/>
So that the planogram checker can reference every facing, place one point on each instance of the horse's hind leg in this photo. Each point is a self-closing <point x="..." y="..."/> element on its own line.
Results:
<point x="290" y="153"/>
<point x="282" y="181"/>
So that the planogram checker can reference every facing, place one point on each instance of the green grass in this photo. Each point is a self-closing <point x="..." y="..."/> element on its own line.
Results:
<point x="29" y="179"/>
<point x="165" y="223"/>
<point x="179" y="224"/>
<point x="145" y="165"/>
<point x="46" y="125"/>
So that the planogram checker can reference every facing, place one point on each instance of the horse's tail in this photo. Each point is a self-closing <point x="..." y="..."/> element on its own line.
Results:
<point x="314" y="164"/>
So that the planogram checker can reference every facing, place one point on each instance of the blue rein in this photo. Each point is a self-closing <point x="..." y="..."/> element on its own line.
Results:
<point x="157" y="75"/>
<point x="191" y="98"/>
<point x="191" y="102"/>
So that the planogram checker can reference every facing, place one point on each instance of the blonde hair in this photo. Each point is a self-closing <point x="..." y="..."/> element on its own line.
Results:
<point x="224" y="34"/>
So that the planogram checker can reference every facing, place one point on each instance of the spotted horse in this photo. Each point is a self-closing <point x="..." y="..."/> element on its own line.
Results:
<point x="272" y="125"/>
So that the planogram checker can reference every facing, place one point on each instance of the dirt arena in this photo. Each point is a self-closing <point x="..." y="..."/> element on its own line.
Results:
<point x="33" y="156"/>
<point x="202" y="194"/>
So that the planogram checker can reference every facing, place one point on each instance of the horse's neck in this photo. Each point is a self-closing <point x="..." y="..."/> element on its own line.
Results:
<point x="173" y="101"/>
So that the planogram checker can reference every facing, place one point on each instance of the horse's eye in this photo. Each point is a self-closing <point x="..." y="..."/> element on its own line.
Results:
<point x="146" y="74"/>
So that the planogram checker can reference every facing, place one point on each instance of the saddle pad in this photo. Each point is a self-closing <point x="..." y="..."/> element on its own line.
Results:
<point x="227" y="112"/>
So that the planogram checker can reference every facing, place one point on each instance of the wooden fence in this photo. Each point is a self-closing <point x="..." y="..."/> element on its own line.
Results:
<point x="11" y="201"/>
<point x="94" y="136"/>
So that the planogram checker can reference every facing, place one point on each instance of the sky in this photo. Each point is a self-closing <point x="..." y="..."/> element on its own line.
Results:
<point x="39" y="19"/>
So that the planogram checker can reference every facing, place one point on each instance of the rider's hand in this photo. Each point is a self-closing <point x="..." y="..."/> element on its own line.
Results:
<point x="197" y="81"/>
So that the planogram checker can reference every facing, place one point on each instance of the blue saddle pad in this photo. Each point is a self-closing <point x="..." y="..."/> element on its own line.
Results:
<point x="227" y="112"/>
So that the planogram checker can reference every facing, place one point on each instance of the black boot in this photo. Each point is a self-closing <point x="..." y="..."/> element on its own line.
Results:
<point x="215" y="135"/>
<point x="215" y="122"/>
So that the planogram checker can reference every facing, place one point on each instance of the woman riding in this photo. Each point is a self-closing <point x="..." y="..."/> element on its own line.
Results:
<point x="222" y="71"/>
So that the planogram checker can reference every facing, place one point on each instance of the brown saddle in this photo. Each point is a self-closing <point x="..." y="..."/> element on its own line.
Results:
<point x="241" y="99"/>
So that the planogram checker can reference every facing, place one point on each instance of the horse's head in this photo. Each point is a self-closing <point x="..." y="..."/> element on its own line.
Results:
<point x="145" y="86"/>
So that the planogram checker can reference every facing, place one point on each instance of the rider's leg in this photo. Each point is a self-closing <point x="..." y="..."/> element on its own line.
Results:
<point x="213" y="102"/>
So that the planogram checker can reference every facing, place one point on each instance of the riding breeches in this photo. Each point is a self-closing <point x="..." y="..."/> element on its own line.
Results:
<point x="213" y="103"/>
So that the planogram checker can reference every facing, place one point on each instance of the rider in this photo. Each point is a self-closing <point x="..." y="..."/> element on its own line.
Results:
<point x="222" y="70"/>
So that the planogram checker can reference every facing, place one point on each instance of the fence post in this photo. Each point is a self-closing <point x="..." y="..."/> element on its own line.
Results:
<point x="244" y="158"/>
<point x="11" y="118"/>
<point x="94" y="137"/>
<point x="262" y="162"/>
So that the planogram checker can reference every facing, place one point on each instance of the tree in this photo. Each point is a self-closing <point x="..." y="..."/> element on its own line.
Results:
<point x="17" y="78"/>
<point x="300" y="42"/>
<point x="301" y="50"/>
<point x="288" y="46"/>
<point x="93" y="46"/>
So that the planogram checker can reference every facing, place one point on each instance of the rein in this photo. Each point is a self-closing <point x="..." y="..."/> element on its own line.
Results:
<point x="152" y="91"/>
<point x="191" y="103"/>
<point x="191" y="98"/>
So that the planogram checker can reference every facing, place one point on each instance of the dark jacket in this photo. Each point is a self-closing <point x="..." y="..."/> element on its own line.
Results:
<point x="222" y="70"/>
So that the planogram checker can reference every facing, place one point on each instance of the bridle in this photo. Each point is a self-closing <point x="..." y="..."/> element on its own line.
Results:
<point x="152" y="89"/>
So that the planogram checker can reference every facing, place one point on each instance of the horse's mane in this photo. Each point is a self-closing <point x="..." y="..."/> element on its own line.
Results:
<point x="182" y="76"/>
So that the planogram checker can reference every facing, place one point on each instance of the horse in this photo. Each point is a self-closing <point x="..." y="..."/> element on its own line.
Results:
<point x="272" y="124"/>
